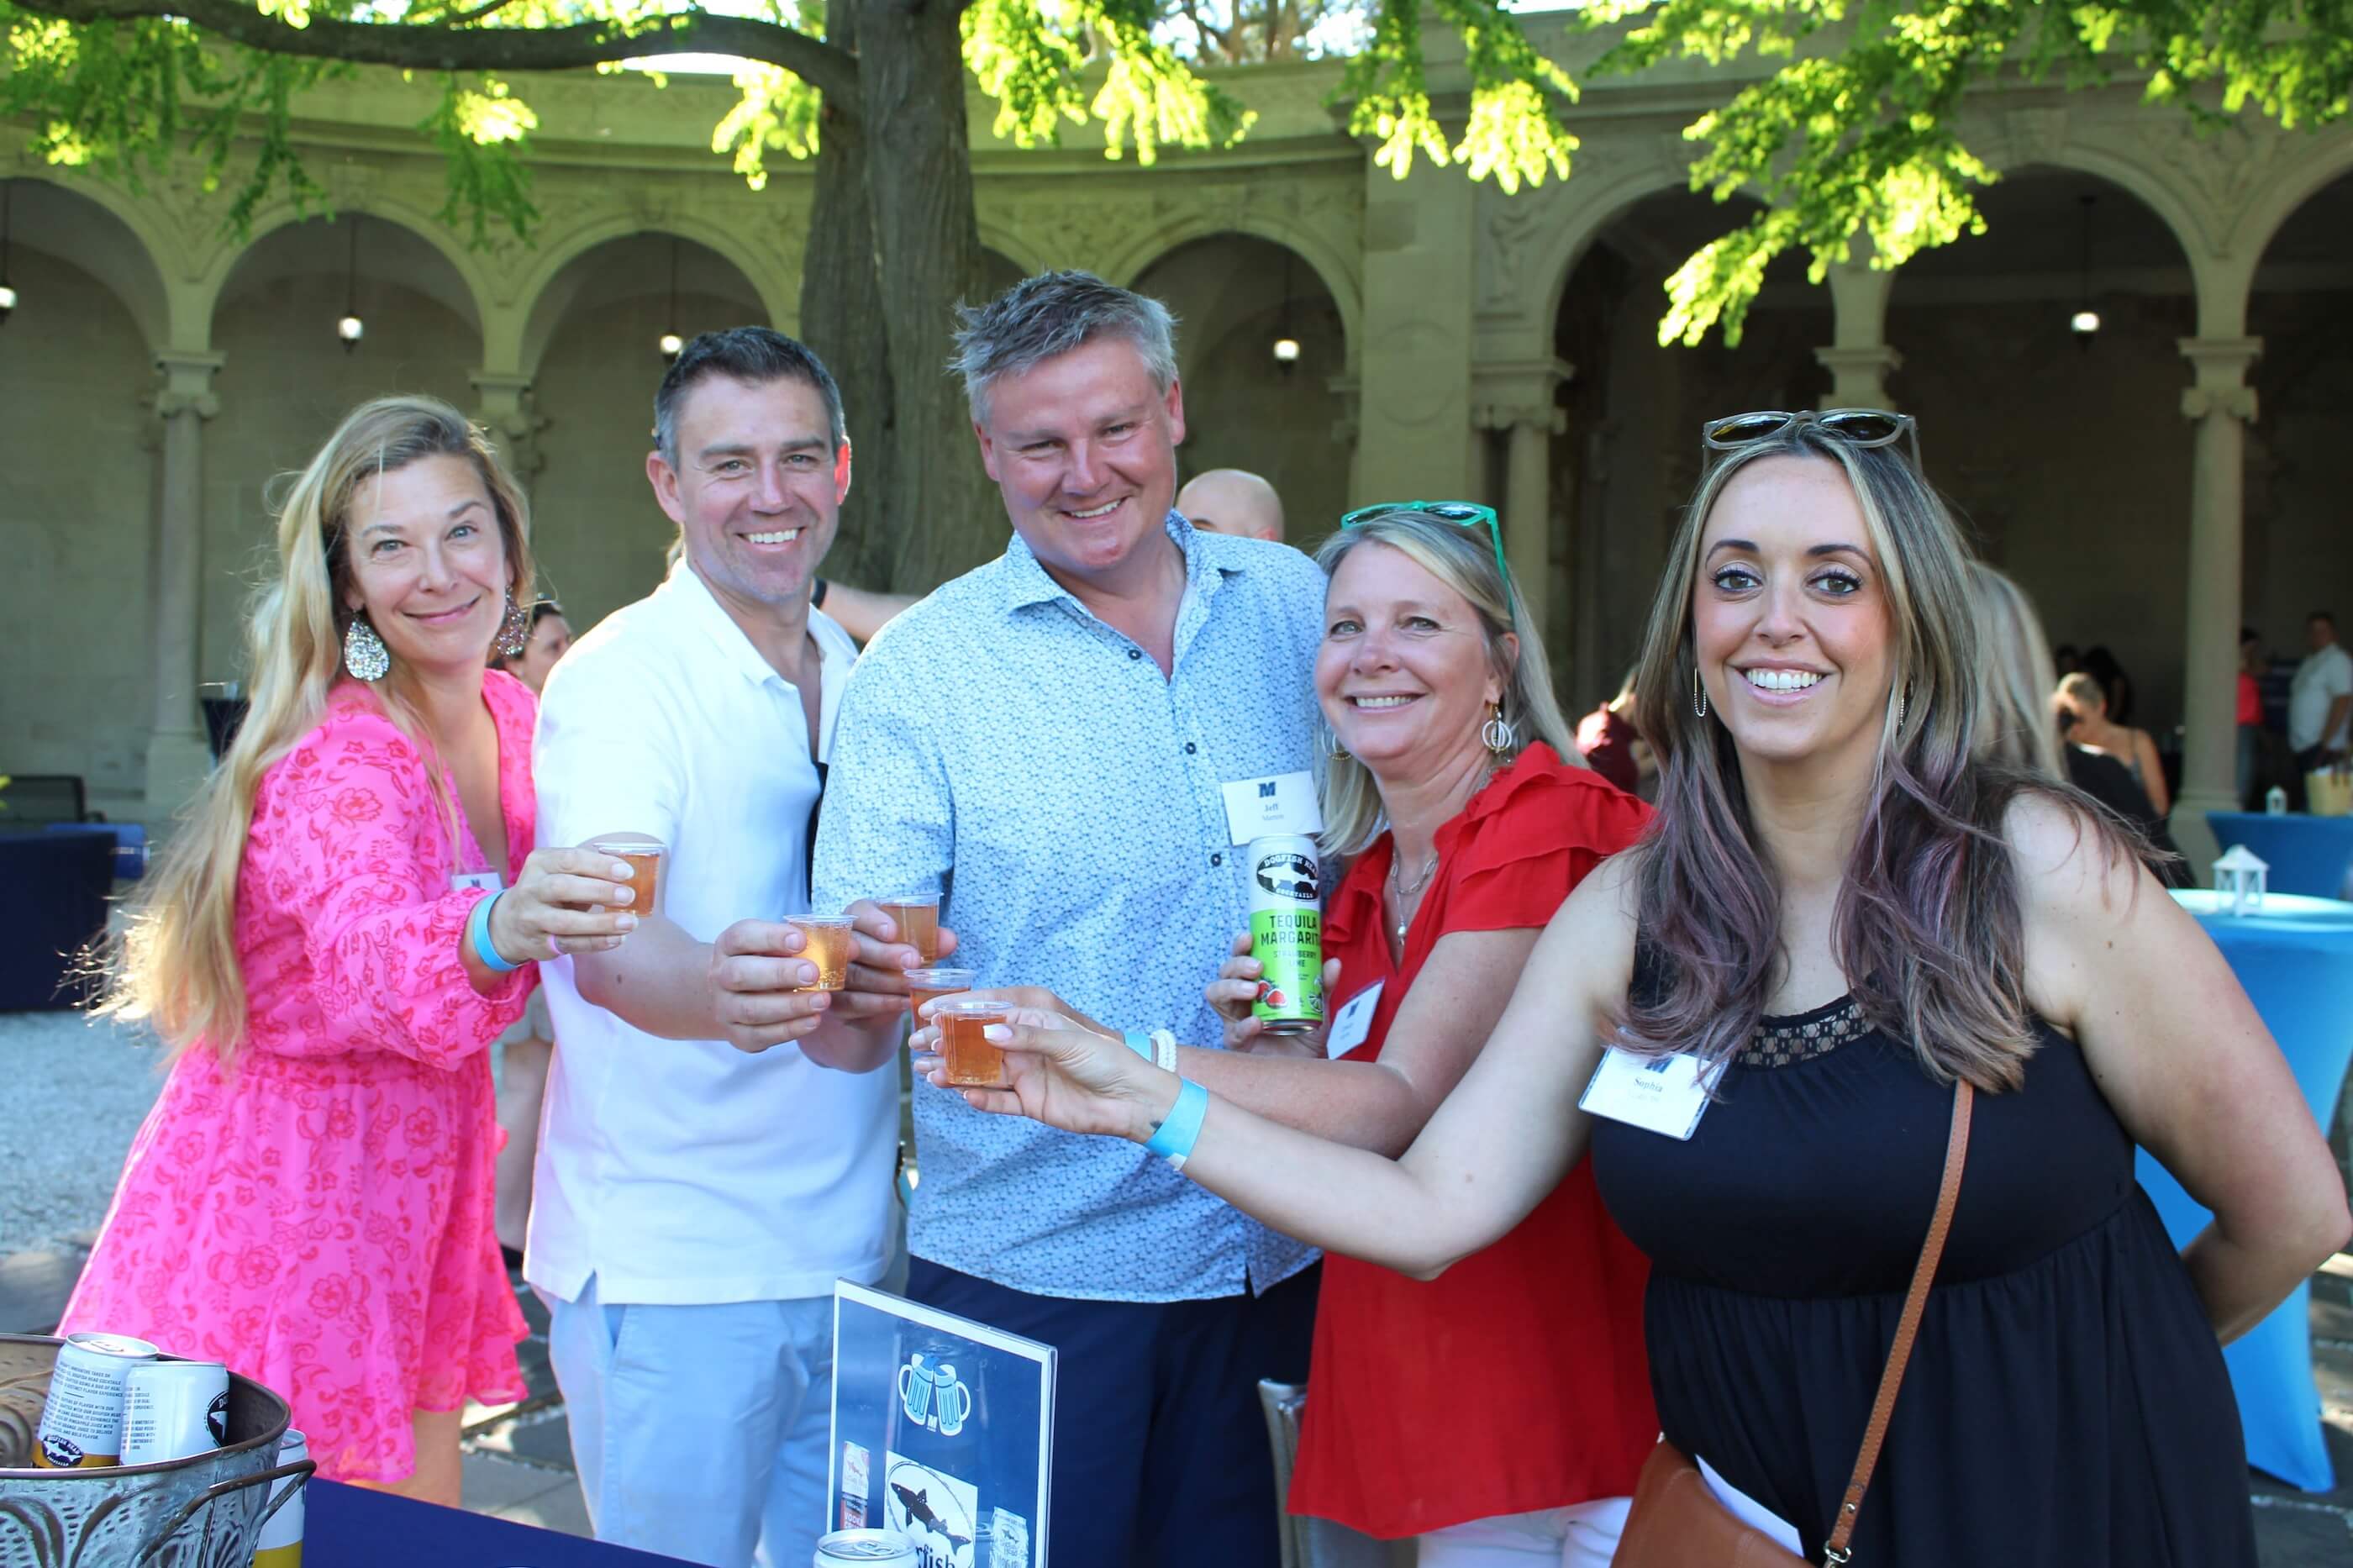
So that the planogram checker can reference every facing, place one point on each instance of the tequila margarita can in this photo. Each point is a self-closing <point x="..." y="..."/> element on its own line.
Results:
<point x="82" y="1424"/>
<point x="1287" y="932"/>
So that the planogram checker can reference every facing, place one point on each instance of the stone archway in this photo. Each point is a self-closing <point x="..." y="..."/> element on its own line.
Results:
<point x="288" y="378"/>
<point x="2063" y="450"/>
<point x="593" y="339"/>
<point x="77" y="400"/>
<point x="1236" y="296"/>
<point x="1630" y="452"/>
<point x="2299" y="468"/>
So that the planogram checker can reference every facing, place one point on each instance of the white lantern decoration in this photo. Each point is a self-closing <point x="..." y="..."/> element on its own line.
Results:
<point x="2238" y="879"/>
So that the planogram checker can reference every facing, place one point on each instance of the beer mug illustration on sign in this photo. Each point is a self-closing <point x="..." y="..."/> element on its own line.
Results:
<point x="950" y="1401"/>
<point x="915" y="1390"/>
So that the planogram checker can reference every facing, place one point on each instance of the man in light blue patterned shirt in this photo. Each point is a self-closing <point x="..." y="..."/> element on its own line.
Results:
<point x="1049" y="739"/>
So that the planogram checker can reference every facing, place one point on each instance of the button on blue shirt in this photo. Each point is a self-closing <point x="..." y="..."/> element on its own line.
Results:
<point x="1000" y="743"/>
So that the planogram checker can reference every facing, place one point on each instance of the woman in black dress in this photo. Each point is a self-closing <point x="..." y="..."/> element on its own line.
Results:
<point x="1842" y="908"/>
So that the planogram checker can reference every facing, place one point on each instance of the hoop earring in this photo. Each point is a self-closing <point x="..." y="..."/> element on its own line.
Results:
<point x="364" y="654"/>
<point x="1698" y="695"/>
<point x="1327" y="741"/>
<point x="514" y="631"/>
<point x="1497" y="733"/>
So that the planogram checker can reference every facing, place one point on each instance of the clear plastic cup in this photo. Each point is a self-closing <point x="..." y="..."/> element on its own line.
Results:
<point x="826" y="943"/>
<point x="971" y="1061"/>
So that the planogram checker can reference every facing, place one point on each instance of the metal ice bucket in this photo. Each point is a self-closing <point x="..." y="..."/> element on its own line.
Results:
<point x="204" y="1512"/>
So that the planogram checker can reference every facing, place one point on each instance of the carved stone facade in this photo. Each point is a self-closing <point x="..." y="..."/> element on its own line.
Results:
<point x="1450" y="367"/>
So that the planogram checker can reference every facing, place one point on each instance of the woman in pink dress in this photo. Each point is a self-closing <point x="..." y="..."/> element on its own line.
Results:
<point x="310" y="1201"/>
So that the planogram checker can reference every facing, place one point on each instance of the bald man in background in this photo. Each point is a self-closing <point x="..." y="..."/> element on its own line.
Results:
<point x="1230" y="500"/>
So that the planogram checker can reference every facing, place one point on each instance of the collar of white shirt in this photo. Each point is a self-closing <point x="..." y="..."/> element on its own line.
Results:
<point x="690" y="597"/>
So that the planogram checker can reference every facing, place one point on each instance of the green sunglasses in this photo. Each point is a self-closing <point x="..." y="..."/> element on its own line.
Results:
<point x="1461" y="513"/>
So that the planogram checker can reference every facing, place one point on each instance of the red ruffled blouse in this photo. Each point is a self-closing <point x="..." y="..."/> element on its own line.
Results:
<point x="1516" y="1381"/>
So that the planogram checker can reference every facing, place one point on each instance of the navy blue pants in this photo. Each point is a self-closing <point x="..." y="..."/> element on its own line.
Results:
<point x="1160" y="1455"/>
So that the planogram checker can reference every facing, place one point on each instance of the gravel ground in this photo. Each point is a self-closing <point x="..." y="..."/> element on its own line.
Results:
<point x="75" y="1093"/>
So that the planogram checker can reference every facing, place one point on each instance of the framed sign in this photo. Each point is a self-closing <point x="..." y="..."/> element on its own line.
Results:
<point x="942" y="1430"/>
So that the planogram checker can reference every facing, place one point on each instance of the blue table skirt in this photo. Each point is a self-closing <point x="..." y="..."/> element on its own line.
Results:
<point x="2309" y="855"/>
<point x="2295" y="961"/>
<point x="352" y="1527"/>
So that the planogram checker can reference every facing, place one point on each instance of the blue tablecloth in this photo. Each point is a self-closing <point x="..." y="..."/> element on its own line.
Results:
<point x="2296" y="960"/>
<point x="352" y="1527"/>
<point x="2307" y="855"/>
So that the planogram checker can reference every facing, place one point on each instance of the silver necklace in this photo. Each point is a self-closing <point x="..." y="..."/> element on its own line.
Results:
<point x="1405" y="916"/>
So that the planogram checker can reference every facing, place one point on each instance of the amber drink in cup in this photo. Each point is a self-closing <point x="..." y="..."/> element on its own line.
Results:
<point x="971" y="1061"/>
<point x="931" y="984"/>
<point x="917" y="916"/>
<point x="645" y="856"/>
<point x="825" y="941"/>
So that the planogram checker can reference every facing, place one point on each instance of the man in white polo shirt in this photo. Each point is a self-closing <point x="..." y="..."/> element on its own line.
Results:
<point x="695" y="1202"/>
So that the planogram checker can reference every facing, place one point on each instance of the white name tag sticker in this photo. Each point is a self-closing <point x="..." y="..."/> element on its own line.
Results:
<point x="1281" y="802"/>
<point x="1658" y="1094"/>
<point x="486" y="880"/>
<point x="1353" y="1024"/>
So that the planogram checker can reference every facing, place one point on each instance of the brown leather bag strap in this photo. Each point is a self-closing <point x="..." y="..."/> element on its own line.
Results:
<point x="1931" y="1251"/>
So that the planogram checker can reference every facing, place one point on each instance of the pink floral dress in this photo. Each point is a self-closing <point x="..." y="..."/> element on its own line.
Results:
<point x="318" y="1216"/>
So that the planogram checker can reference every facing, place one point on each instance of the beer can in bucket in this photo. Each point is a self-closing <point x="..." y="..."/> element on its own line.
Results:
<point x="172" y="1409"/>
<point x="281" y="1545"/>
<point x="867" y="1548"/>
<point x="1287" y="931"/>
<point x="82" y="1424"/>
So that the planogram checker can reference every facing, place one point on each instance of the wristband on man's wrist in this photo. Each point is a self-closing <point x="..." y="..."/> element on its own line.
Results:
<point x="1181" y="1129"/>
<point x="478" y="931"/>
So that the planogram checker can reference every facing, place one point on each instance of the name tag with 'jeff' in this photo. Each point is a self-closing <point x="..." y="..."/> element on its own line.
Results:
<point x="1281" y="802"/>
<point x="1658" y="1094"/>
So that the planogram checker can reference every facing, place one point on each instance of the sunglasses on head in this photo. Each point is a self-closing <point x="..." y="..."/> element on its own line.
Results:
<point x="1461" y="513"/>
<point x="1856" y="427"/>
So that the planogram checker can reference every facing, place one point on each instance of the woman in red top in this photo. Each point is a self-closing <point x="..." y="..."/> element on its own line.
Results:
<point x="1501" y="1411"/>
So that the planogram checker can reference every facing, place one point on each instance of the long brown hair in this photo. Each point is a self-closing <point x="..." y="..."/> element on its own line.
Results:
<point x="1928" y="928"/>
<point x="176" y="965"/>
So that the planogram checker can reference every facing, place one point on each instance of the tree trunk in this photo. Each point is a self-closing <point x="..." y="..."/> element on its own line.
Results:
<point x="946" y="517"/>
<point x="842" y="319"/>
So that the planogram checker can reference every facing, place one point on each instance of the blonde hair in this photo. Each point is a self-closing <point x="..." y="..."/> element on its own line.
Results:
<point x="2014" y="727"/>
<point x="2085" y="694"/>
<point x="176" y="965"/>
<point x="1460" y="558"/>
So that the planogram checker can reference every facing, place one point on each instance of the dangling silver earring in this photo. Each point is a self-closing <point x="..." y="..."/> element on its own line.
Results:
<point x="1328" y="741"/>
<point x="1698" y="695"/>
<point x="1497" y="731"/>
<point x="1903" y="706"/>
<point x="514" y="632"/>
<point x="364" y="654"/>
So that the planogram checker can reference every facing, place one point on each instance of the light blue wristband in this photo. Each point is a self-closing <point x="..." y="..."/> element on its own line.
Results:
<point x="1140" y="1043"/>
<point x="1173" y="1142"/>
<point x="478" y="931"/>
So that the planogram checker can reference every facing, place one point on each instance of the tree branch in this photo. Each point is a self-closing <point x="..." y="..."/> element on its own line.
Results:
<point x="427" y="47"/>
<point x="476" y="15"/>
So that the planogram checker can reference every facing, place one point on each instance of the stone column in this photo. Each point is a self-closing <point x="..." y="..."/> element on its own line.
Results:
<point x="178" y="754"/>
<point x="503" y="406"/>
<point x="2219" y="406"/>
<point x="1416" y="436"/>
<point x="1860" y="360"/>
<point x="1859" y="376"/>
<point x="1516" y="397"/>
